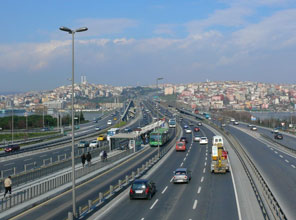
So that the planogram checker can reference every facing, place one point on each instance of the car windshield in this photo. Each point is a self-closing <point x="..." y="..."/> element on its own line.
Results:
<point x="180" y="173"/>
<point x="94" y="142"/>
<point x="139" y="186"/>
<point x="204" y="138"/>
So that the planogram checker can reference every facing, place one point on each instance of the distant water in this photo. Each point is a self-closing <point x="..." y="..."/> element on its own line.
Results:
<point x="267" y="115"/>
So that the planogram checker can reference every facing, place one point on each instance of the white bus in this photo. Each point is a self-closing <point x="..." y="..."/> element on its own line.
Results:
<point x="112" y="132"/>
<point x="172" y="123"/>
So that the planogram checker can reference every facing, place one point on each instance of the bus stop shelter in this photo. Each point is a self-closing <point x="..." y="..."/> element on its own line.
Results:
<point x="132" y="140"/>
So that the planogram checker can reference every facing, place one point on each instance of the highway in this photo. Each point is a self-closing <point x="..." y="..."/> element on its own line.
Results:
<point x="278" y="168"/>
<point x="48" y="154"/>
<point x="37" y="159"/>
<point x="205" y="197"/>
<point x="59" y="206"/>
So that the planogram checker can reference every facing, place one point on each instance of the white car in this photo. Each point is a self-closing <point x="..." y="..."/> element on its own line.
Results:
<point x="109" y="122"/>
<point x="93" y="143"/>
<point x="203" y="140"/>
<point x="254" y="128"/>
<point x="188" y="131"/>
<point x="196" y="138"/>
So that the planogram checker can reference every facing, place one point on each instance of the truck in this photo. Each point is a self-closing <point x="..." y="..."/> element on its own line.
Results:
<point x="219" y="163"/>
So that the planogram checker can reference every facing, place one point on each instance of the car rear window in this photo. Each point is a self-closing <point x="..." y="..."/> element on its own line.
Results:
<point x="180" y="173"/>
<point x="180" y="144"/>
<point x="139" y="186"/>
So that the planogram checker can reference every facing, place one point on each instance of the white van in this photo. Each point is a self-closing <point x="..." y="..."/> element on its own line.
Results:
<point x="109" y="122"/>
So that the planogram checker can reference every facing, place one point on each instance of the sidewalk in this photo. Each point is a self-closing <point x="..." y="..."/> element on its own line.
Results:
<point x="46" y="196"/>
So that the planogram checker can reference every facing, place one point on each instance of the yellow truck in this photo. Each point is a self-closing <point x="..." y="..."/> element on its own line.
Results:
<point x="219" y="162"/>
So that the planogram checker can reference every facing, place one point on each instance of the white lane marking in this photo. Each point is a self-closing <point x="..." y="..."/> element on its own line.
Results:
<point x="44" y="155"/>
<point x="172" y="179"/>
<point x="184" y="159"/>
<point x="204" y="170"/>
<point x="194" y="204"/>
<point x="187" y="155"/>
<point x="163" y="191"/>
<point x="202" y="179"/>
<point x="287" y="161"/>
<point x="189" y="151"/>
<point x="205" y="163"/>
<point x="142" y="218"/>
<point x="154" y="204"/>
<point x="281" y="156"/>
<point x="206" y="154"/>
<point x="28" y="159"/>
<point x="181" y="164"/>
<point x="199" y="189"/>
<point x="275" y="152"/>
<point x="293" y="166"/>
<point x="8" y="164"/>
<point x="206" y="158"/>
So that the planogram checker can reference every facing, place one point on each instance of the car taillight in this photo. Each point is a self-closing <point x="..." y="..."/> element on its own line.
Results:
<point x="131" y="191"/>
<point x="146" y="190"/>
<point x="185" y="177"/>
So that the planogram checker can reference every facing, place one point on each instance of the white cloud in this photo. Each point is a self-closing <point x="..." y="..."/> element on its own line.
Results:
<point x="230" y="17"/>
<point x="275" y="32"/>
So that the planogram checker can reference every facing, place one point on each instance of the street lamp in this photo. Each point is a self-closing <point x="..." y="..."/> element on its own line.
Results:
<point x="157" y="79"/>
<point x="73" y="159"/>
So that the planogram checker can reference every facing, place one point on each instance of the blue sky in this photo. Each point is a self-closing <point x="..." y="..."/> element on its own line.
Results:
<point x="134" y="42"/>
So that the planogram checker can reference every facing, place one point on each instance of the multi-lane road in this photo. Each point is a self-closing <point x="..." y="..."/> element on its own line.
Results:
<point x="277" y="167"/>
<point x="206" y="196"/>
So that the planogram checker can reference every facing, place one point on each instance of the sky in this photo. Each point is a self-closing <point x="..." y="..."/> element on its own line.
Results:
<point x="134" y="42"/>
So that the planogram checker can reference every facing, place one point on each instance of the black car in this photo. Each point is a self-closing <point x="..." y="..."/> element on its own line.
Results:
<point x="184" y="139"/>
<point x="278" y="136"/>
<point x="142" y="189"/>
<point x="12" y="148"/>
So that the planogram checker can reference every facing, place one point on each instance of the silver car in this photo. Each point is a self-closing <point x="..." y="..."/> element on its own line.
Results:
<point x="182" y="175"/>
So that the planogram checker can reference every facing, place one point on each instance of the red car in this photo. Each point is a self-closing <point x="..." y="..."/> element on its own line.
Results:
<point x="196" y="129"/>
<point x="12" y="148"/>
<point x="180" y="146"/>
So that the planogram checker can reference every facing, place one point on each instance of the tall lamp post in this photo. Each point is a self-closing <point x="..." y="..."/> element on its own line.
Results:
<point x="73" y="158"/>
<point x="157" y="79"/>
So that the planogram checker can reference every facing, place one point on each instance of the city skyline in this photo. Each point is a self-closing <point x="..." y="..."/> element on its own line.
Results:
<point x="134" y="43"/>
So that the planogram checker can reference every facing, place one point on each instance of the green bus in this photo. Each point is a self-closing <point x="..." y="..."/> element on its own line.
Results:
<point x="159" y="137"/>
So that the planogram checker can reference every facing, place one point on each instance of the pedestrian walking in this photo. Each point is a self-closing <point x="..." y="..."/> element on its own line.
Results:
<point x="7" y="185"/>
<point x="105" y="156"/>
<point x="83" y="159"/>
<point x="88" y="158"/>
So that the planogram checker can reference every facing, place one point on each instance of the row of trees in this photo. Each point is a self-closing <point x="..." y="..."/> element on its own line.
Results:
<point x="36" y="121"/>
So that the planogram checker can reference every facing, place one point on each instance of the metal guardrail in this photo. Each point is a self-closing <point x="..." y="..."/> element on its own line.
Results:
<point x="53" y="183"/>
<point x="259" y="185"/>
<point x="31" y="175"/>
<point x="105" y="197"/>
<point x="277" y="142"/>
